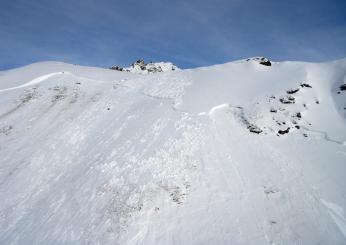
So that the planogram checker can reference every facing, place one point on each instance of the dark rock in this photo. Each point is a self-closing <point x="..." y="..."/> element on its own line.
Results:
<point x="286" y="131"/>
<point x="297" y="127"/>
<point x="116" y="68"/>
<point x="305" y="85"/>
<point x="254" y="129"/>
<point x="273" y="110"/>
<point x="288" y="100"/>
<point x="266" y="63"/>
<point x="299" y="115"/>
<point x="343" y="87"/>
<point x="292" y="91"/>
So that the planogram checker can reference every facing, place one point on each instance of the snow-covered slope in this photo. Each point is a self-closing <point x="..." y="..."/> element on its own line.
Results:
<point x="239" y="153"/>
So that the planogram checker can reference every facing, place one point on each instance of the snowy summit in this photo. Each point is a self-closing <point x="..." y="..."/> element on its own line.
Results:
<point x="247" y="152"/>
<point x="140" y="67"/>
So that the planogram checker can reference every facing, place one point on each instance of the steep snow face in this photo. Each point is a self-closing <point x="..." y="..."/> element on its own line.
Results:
<point x="239" y="153"/>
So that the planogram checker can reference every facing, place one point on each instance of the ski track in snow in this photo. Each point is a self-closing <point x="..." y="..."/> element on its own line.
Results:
<point x="325" y="136"/>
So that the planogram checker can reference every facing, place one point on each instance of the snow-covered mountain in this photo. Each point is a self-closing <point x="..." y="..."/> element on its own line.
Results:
<point x="239" y="153"/>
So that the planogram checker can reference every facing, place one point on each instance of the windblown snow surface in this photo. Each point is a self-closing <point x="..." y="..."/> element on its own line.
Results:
<point x="95" y="156"/>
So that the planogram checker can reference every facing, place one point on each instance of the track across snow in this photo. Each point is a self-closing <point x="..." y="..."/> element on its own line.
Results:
<point x="34" y="81"/>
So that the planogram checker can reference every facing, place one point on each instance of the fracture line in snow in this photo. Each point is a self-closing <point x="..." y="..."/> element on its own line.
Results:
<point x="211" y="111"/>
<point x="159" y="98"/>
<point x="35" y="81"/>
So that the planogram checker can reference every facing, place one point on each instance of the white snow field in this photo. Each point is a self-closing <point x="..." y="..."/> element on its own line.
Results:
<point x="239" y="153"/>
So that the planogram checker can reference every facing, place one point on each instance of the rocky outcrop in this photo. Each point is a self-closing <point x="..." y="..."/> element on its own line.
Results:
<point x="141" y="67"/>
<point x="260" y="60"/>
<point x="116" y="68"/>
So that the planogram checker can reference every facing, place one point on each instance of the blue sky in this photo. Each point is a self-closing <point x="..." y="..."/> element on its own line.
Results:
<point x="189" y="33"/>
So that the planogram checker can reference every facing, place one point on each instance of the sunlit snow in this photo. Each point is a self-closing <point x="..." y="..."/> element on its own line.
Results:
<point x="239" y="153"/>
